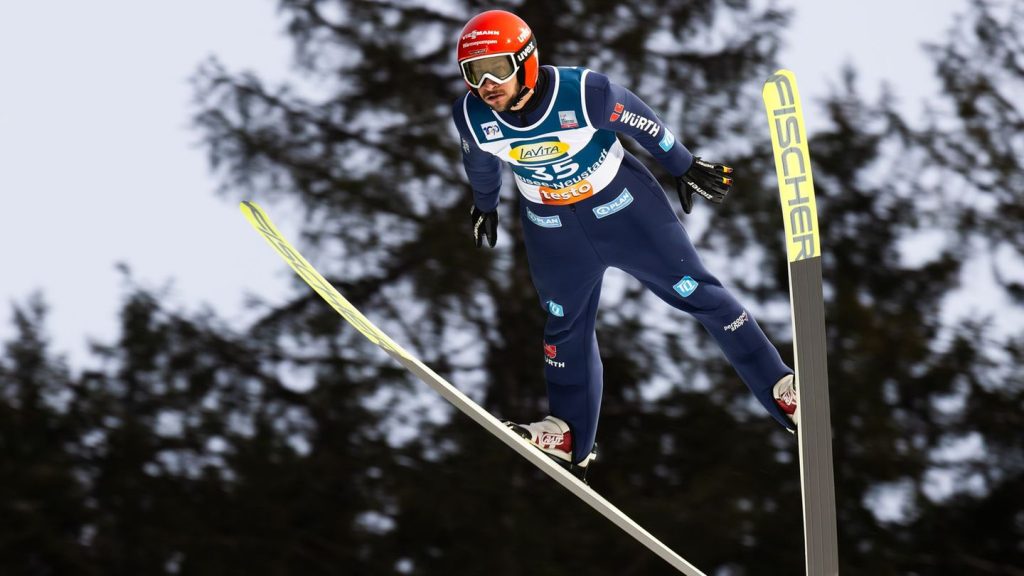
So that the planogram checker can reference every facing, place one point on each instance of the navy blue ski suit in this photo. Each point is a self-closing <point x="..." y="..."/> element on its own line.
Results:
<point x="588" y="204"/>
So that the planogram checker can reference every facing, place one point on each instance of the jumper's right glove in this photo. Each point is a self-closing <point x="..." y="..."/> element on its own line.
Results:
<point x="707" y="179"/>
<point x="484" y="224"/>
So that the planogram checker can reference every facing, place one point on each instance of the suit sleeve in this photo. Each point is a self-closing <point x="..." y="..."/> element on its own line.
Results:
<point x="613" y="107"/>
<point x="482" y="168"/>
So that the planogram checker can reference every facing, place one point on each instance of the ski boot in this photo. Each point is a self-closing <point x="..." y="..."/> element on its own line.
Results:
<point x="784" y="393"/>
<point x="553" y="437"/>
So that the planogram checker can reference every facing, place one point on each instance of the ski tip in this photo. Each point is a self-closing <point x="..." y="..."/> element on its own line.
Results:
<point x="780" y="89"/>
<point x="781" y="73"/>
<point x="248" y="205"/>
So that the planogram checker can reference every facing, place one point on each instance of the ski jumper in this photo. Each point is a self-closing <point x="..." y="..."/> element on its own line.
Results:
<point x="589" y="204"/>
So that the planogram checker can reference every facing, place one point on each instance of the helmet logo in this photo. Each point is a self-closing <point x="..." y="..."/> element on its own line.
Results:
<point x="524" y="33"/>
<point x="472" y="35"/>
<point x="525" y="52"/>
<point x="467" y="45"/>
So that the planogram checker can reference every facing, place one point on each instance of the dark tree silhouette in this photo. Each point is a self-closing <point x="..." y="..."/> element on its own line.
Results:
<point x="294" y="446"/>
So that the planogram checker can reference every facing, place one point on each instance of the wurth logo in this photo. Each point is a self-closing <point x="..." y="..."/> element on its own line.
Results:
<point x="637" y="121"/>
<point x="550" y="353"/>
<point x="618" y="112"/>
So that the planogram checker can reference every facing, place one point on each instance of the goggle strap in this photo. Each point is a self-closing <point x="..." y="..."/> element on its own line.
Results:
<point x="525" y="52"/>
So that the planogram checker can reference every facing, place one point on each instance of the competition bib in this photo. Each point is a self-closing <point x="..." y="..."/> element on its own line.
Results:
<point x="561" y="158"/>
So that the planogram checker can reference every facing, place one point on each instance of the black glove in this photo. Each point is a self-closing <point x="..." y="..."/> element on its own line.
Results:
<point x="708" y="180"/>
<point x="484" y="224"/>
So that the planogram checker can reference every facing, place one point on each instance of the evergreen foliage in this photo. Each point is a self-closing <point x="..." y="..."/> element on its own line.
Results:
<point x="296" y="447"/>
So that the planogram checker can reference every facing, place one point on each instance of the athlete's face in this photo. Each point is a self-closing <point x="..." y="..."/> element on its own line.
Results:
<point x="499" y="96"/>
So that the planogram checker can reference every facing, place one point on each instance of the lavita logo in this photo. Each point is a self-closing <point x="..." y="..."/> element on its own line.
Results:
<point x="538" y="152"/>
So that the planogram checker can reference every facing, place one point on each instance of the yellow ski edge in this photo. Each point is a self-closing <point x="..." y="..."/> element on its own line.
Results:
<point x="262" y="223"/>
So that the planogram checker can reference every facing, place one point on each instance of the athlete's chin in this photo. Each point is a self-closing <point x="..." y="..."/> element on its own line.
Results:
<point x="498" y="103"/>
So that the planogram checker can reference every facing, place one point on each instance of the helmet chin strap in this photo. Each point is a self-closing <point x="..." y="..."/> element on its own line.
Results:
<point x="521" y="99"/>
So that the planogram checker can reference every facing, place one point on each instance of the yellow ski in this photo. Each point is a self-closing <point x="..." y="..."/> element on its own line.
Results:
<point x="261" y="222"/>
<point x="803" y="248"/>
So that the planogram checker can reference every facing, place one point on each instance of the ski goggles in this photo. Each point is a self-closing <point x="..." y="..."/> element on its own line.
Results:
<point x="499" y="68"/>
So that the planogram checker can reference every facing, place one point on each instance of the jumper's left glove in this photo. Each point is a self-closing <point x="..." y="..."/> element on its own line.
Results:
<point x="485" y="225"/>
<point x="707" y="179"/>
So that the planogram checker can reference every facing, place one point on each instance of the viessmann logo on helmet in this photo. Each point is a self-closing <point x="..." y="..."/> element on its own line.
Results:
<point x="538" y="152"/>
<point x="472" y="35"/>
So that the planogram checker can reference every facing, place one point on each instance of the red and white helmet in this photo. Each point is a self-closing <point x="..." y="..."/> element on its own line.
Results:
<point x="498" y="45"/>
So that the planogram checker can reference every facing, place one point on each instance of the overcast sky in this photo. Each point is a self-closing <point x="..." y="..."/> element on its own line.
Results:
<point x="98" y="164"/>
